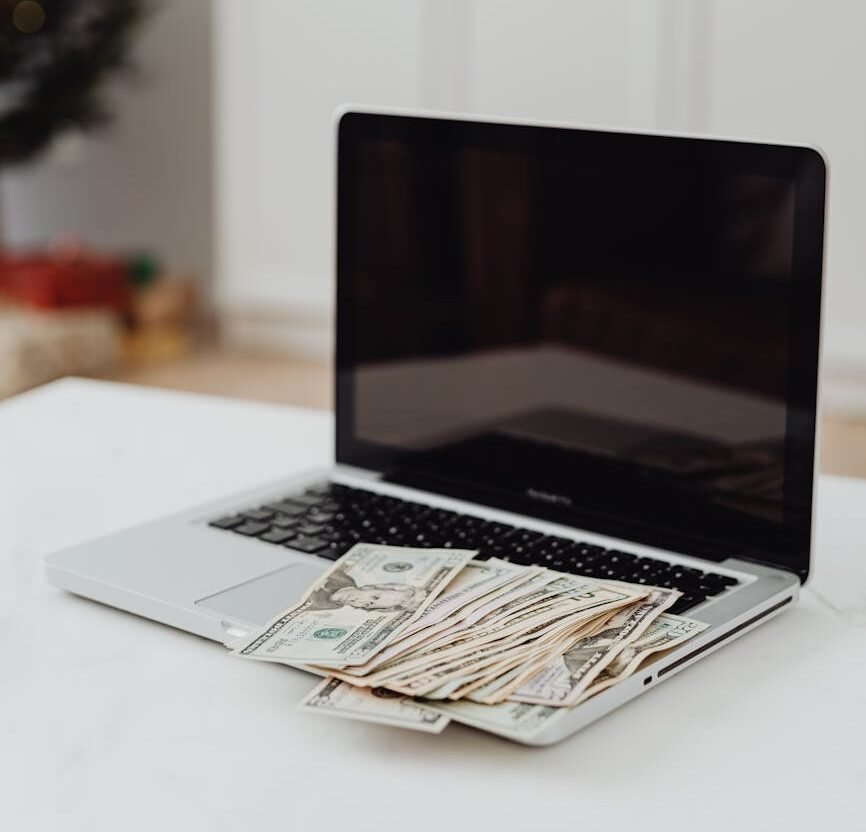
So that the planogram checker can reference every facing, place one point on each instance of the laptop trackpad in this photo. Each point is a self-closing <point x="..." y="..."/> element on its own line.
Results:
<point x="259" y="600"/>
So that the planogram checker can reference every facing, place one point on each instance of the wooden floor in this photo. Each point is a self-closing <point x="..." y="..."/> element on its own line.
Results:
<point x="265" y="378"/>
<point x="284" y="380"/>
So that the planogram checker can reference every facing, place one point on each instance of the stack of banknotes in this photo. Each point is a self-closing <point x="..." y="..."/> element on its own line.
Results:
<point x="416" y="637"/>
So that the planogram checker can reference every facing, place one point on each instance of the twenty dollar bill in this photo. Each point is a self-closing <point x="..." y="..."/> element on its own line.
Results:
<point x="367" y="598"/>
<point x="336" y="698"/>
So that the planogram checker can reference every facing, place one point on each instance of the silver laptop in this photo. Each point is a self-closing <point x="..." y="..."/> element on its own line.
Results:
<point x="591" y="350"/>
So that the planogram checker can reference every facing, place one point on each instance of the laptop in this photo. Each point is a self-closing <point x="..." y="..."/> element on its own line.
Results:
<point x="586" y="349"/>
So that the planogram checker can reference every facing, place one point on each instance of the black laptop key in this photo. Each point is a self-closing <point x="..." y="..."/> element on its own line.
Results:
<point x="443" y="516"/>
<point x="686" y="603"/>
<point x="309" y="528"/>
<point x="524" y="536"/>
<point x="277" y="535"/>
<point x="686" y="572"/>
<point x="310" y="545"/>
<point x="466" y="521"/>
<point x="303" y="499"/>
<point x="578" y="553"/>
<point x="556" y="544"/>
<point x="227" y="522"/>
<point x="711" y="589"/>
<point x="333" y="551"/>
<point x="497" y="529"/>
<point x="284" y="521"/>
<point x="614" y="556"/>
<point x="712" y="584"/>
<point x="648" y="565"/>
<point x="258" y="514"/>
<point x="687" y="579"/>
<point x="316" y="515"/>
<point x="288" y="508"/>
<point x="251" y="528"/>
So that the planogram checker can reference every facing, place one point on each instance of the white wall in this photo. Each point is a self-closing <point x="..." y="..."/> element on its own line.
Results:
<point x="146" y="180"/>
<point x="282" y="69"/>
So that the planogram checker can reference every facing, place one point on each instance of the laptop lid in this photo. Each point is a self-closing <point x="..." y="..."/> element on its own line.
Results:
<point x="616" y="331"/>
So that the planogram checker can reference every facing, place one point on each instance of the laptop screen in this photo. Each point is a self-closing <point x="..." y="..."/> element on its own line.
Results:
<point x="615" y="331"/>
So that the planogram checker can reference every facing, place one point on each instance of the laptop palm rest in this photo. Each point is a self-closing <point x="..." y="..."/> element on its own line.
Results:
<point x="259" y="600"/>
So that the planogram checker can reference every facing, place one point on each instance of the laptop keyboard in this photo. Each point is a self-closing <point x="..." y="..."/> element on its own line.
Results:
<point x="328" y="519"/>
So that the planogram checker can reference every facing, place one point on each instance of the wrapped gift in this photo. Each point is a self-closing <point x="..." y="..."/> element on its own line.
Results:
<point x="36" y="347"/>
<point x="65" y="279"/>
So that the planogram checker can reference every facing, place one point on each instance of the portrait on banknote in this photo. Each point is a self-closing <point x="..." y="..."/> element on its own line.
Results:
<point x="341" y="591"/>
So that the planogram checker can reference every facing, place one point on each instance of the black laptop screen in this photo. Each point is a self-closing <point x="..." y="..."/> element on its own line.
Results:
<point x="614" y="331"/>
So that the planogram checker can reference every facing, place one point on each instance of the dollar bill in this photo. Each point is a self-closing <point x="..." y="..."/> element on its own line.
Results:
<point x="477" y="581"/>
<point x="356" y="608"/>
<point x="542" y="588"/>
<point x="498" y="686"/>
<point x="336" y="698"/>
<point x="430" y="666"/>
<point x="565" y="593"/>
<point x="438" y="661"/>
<point x="443" y="634"/>
<point x="527" y="639"/>
<point x="559" y="604"/>
<point x="563" y="681"/>
<point x="517" y="720"/>
<point x="665" y="633"/>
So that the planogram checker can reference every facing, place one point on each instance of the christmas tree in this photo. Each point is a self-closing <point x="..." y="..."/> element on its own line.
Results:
<point x="55" y="56"/>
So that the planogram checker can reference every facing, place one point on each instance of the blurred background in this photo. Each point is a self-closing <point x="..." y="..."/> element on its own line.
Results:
<point x="166" y="167"/>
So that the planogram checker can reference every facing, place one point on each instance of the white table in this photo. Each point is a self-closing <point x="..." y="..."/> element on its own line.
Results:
<point x="108" y="721"/>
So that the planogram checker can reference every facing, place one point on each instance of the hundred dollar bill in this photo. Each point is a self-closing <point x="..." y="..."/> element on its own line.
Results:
<point x="665" y="633"/>
<point x="336" y="698"/>
<point x="564" y="680"/>
<point x="357" y="607"/>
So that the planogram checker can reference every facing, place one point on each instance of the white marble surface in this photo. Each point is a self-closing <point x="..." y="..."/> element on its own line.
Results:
<point x="110" y="722"/>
